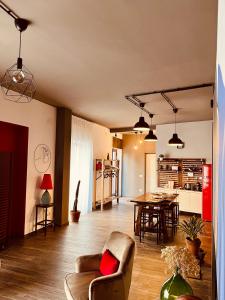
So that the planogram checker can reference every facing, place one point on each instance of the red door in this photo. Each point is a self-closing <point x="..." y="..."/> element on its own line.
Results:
<point x="207" y="192"/>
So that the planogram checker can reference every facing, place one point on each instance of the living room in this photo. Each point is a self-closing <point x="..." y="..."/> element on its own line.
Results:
<point x="97" y="70"/>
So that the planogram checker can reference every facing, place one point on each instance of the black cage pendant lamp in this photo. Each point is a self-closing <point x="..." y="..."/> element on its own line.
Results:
<point x="18" y="82"/>
<point x="175" y="140"/>
<point x="151" y="137"/>
<point x="141" y="125"/>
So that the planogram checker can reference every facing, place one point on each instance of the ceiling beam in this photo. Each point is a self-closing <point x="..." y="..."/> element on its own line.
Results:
<point x="121" y="129"/>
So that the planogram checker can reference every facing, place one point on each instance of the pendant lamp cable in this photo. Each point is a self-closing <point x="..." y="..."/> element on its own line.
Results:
<point x="175" y="123"/>
<point x="20" y="44"/>
<point x="175" y="110"/>
<point x="151" y="116"/>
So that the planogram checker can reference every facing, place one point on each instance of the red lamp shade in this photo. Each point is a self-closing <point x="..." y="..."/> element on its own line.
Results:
<point x="46" y="182"/>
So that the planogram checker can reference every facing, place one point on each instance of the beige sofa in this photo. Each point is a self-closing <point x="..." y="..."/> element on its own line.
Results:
<point x="88" y="283"/>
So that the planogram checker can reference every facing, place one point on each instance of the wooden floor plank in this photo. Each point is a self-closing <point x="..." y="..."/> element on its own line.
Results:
<point x="34" y="268"/>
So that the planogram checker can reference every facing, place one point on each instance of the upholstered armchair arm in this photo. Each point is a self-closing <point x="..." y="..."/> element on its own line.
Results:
<point x="107" y="287"/>
<point x="87" y="263"/>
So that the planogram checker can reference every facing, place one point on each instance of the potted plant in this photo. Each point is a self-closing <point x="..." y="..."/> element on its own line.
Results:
<point x="192" y="228"/>
<point x="75" y="214"/>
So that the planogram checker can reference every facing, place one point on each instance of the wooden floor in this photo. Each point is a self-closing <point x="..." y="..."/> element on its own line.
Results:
<point x="35" y="267"/>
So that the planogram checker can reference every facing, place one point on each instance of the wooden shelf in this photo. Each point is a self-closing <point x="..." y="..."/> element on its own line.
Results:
<point x="106" y="182"/>
<point x="106" y="200"/>
<point x="168" y="171"/>
<point x="185" y="166"/>
<point x="165" y="172"/>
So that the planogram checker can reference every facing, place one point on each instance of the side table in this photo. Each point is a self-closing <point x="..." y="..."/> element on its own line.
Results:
<point x="44" y="223"/>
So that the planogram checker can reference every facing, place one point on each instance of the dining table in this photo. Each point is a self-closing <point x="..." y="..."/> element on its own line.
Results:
<point x="157" y="199"/>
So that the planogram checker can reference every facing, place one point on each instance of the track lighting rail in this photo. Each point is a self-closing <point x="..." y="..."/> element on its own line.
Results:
<point x="8" y="10"/>
<point x="137" y="102"/>
<point x="169" y="101"/>
<point x="173" y="90"/>
<point x="133" y="98"/>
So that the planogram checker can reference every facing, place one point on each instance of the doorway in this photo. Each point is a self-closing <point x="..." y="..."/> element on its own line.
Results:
<point x="150" y="172"/>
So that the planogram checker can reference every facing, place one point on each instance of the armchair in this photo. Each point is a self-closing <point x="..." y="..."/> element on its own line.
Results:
<point x="87" y="283"/>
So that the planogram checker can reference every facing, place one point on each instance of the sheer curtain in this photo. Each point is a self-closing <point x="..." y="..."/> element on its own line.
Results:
<point x="81" y="167"/>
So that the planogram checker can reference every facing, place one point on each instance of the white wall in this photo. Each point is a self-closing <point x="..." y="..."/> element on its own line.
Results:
<point x="40" y="118"/>
<point x="197" y="137"/>
<point x="102" y="141"/>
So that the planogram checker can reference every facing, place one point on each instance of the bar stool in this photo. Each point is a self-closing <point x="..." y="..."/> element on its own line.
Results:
<point x="151" y="221"/>
<point x="136" y="207"/>
<point x="172" y="216"/>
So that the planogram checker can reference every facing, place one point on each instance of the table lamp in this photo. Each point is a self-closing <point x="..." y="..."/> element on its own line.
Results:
<point x="46" y="185"/>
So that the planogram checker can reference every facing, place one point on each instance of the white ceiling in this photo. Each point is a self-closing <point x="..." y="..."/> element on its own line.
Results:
<point x="86" y="55"/>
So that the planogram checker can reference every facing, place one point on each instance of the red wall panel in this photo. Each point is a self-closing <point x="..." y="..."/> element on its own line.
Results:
<point x="14" y="140"/>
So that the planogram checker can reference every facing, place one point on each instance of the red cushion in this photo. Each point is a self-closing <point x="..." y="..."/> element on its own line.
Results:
<point x="109" y="263"/>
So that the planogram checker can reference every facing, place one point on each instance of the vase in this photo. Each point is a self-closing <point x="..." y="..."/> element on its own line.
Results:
<point x="174" y="287"/>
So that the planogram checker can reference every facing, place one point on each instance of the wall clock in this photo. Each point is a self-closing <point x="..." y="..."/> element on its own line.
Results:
<point x="42" y="158"/>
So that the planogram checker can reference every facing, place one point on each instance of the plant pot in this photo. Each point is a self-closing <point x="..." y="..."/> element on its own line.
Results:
<point x="174" y="287"/>
<point x="193" y="246"/>
<point x="74" y="215"/>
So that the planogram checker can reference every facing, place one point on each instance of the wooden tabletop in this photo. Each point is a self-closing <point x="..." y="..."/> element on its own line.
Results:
<point x="148" y="198"/>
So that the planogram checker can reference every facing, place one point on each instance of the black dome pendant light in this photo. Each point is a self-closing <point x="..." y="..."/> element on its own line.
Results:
<point x="175" y="141"/>
<point x="17" y="83"/>
<point x="151" y="137"/>
<point x="141" y="125"/>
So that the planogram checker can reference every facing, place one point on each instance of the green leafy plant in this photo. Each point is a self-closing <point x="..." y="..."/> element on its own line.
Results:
<point x="192" y="228"/>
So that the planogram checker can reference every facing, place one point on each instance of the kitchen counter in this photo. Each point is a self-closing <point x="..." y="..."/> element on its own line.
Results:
<point x="189" y="201"/>
<point x="167" y="190"/>
<point x="189" y="191"/>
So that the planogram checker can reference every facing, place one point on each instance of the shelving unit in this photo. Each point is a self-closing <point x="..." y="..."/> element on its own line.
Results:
<point x="106" y="177"/>
<point x="167" y="173"/>
<point x="181" y="171"/>
<point x="193" y="166"/>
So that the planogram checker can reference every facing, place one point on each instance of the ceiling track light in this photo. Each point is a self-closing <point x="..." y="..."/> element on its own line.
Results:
<point x="17" y="83"/>
<point x="151" y="137"/>
<point x="141" y="125"/>
<point x="175" y="141"/>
